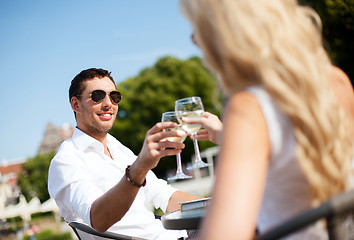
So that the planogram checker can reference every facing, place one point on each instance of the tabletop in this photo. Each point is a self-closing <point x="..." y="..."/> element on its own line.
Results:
<point x="183" y="220"/>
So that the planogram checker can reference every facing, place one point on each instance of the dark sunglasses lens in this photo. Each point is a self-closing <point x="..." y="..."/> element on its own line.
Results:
<point x="116" y="96"/>
<point x="98" y="95"/>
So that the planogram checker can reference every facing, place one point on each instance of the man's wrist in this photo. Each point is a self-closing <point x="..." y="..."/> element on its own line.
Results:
<point x="131" y="181"/>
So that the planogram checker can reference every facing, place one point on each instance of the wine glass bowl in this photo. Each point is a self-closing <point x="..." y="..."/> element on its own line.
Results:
<point x="188" y="127"/>
<point x="191" y="107"/>
<point x="171" y="117"/>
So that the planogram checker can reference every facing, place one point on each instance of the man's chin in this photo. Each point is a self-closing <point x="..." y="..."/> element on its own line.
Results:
<point x="106" y="129"/>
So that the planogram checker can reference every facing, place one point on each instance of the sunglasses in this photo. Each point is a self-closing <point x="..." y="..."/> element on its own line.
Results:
<point x="98" y="95"/>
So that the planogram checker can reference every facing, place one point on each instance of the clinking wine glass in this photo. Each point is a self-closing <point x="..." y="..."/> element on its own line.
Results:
<point x="191" y="107"/>
<point x="171" y="117"/>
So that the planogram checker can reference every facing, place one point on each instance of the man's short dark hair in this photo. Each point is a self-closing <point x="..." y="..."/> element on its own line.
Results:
<point x="77" y="84"/>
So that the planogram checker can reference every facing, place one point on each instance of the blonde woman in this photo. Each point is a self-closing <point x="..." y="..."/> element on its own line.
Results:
<point x="287" y="140"/>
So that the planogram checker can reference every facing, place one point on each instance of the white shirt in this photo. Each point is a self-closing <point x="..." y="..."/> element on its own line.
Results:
<point x="81" y="172"/>
<point x="287" y="192"/>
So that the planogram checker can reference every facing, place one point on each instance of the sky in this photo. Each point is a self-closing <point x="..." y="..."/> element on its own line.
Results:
<point x="44" y="44"/>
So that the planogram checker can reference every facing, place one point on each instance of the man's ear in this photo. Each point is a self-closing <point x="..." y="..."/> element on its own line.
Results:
<point x="74" y="102"/>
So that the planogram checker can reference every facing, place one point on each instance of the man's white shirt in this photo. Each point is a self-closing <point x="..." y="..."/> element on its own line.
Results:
<point x="81" y="172"/>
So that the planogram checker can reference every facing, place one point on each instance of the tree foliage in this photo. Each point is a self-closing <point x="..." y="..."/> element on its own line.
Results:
<point x="154" y="91"/>
<point x="33" y="180"/>
<point x="338" y="31"/>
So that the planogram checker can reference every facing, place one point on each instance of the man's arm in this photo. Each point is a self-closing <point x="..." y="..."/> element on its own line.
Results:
<point x="176" y="198"/>
<point x="111" y="206"/>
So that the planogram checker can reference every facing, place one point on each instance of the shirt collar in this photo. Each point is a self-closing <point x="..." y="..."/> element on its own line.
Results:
<point x="84" y="141"/>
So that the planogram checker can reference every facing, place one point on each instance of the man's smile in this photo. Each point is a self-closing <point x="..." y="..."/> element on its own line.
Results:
<point x="105" y="115"/>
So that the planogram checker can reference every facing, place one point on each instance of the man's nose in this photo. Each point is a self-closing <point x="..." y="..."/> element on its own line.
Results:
<point x="106" y="101"/>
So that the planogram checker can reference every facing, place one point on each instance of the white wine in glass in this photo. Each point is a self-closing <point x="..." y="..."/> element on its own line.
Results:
<point x="171" y="117"/>
<point x="191" y="107"/>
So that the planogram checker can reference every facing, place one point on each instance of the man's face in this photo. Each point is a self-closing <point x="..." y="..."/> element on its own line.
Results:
<point x="96" y="119"/>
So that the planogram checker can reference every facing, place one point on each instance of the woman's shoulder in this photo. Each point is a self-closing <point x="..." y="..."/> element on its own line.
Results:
<point x="343" y="89"/>
<point x="244" y="107"/>
<point x="243" y="102"/>
<point x="339" y="75"/>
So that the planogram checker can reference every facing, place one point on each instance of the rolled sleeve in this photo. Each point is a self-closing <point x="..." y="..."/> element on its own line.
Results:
<point x="158" y="192"/>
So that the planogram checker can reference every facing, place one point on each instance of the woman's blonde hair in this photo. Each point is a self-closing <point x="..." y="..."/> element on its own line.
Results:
<point x="278" y="44"/>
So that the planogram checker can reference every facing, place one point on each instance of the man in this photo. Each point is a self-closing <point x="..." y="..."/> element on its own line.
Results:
<point x="95" y="179"/>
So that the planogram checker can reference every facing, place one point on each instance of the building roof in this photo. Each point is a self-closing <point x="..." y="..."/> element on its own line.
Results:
<point x="53" y="137"/>
<point x="8" y="167"/>
<point x="9" y="171"/>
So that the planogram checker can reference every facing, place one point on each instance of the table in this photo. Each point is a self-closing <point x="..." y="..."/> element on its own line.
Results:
<point x="183" y="220"/>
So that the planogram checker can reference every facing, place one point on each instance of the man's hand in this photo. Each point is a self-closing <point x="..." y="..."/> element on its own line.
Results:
<point x="155" y="145"/>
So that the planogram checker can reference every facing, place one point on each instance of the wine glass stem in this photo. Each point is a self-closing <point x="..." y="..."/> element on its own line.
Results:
<point x="196" y="149"/>
<point x="179" y="163"/>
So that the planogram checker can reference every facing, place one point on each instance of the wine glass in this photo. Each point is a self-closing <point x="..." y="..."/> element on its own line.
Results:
<point x="191" y="107"/>
<point x="171" y="117"/>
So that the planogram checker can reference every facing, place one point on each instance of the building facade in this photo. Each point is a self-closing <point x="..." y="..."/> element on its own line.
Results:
<point x="10" y="170"/>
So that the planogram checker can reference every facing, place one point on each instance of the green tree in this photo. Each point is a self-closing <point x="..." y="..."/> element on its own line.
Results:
<point x="154" y="91"/>
<point x="33" y="181"/>
<point x="338" y="31"/>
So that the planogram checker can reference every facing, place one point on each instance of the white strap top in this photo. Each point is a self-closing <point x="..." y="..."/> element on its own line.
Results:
<point x="287" y="191"/>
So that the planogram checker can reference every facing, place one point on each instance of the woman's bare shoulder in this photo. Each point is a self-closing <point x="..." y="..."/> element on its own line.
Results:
<point x="243" y="102"/>
<point x="244" y="108"/>
<point x="343" y="89"/>
<point x="340" y="77"/>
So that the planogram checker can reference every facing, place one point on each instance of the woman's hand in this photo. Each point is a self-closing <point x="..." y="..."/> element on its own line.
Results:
<point x="211" y="127"/>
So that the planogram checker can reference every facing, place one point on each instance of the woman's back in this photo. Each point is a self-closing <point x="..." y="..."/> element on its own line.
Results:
<point x="287" y="192"/>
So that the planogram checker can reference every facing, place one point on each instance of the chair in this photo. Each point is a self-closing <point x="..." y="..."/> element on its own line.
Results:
<point x="83" y="232"/>
<point x="337" y="211"/>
